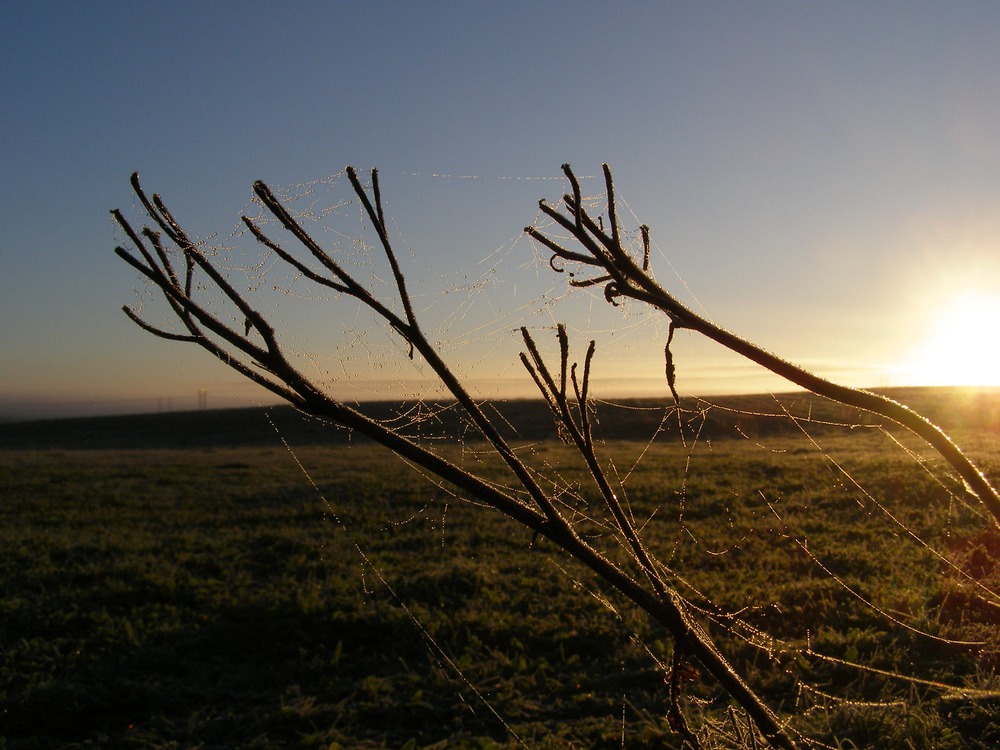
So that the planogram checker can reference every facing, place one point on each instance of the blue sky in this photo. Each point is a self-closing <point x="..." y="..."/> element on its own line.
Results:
<point x="823" y="178"/>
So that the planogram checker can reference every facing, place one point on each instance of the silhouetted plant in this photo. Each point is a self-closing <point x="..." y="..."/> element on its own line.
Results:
<point x="624" y="277"/>
<point x="252" y="347"/>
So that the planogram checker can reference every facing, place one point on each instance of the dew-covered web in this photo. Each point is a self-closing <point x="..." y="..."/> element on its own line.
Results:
<point x="837" y="563"/>
<point x="465" y="296"/>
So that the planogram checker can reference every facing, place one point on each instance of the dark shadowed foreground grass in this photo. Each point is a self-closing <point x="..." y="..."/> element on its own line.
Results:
<point x="211" y="599"/>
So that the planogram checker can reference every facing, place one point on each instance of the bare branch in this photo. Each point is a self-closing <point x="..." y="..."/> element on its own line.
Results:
<point x="292" y="260"/>
<point x="378" y="219"/>
<point x="673" y="609"/>
<point x="270" y="368"/>
<point x="635" y="282"/>
<point x="159" y="332"/>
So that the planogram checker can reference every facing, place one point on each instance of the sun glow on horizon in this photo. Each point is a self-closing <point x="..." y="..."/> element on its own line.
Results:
<point x="962" y="345"/>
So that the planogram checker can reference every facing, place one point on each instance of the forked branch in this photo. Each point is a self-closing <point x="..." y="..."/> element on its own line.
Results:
<point x="622" y="277"/>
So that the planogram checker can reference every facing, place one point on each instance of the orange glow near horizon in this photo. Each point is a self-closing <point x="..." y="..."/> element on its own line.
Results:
<point x="962" y="345"/>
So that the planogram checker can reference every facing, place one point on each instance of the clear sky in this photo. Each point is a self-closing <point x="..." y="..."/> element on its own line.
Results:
<point x="822" y="178"/>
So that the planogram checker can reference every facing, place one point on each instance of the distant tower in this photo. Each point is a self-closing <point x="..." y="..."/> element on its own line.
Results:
<point x="202" y="399"/>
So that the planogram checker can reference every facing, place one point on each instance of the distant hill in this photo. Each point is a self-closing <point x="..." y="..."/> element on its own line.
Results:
<point x="529" y="420"/>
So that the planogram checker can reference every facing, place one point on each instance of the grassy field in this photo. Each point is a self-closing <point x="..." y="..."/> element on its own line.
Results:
<point x="202" y="590"/>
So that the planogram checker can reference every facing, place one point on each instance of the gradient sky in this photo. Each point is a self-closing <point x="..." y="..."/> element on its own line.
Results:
<point x="823" y="178"/>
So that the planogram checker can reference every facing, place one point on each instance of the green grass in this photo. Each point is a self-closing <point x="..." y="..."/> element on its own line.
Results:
<point x="211" y="598"/>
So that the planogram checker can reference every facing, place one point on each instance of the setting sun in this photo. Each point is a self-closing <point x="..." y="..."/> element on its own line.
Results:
<point x="962" y="346"/>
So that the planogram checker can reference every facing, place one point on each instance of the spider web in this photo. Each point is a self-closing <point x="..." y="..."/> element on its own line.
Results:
<point x="838" y="564"/>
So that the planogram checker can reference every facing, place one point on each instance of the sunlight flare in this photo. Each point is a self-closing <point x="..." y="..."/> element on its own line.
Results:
<point x="961" y="346"/>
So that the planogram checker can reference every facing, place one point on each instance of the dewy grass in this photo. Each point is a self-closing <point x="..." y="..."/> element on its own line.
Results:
<point x="175" y="598"/>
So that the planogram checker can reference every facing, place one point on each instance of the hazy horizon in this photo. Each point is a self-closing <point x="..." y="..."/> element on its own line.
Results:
<point x="30" y="411"/>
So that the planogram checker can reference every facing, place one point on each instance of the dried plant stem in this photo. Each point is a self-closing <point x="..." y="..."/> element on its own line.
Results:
<point x="623" y="277"/>
<point x="253" y="349"/>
